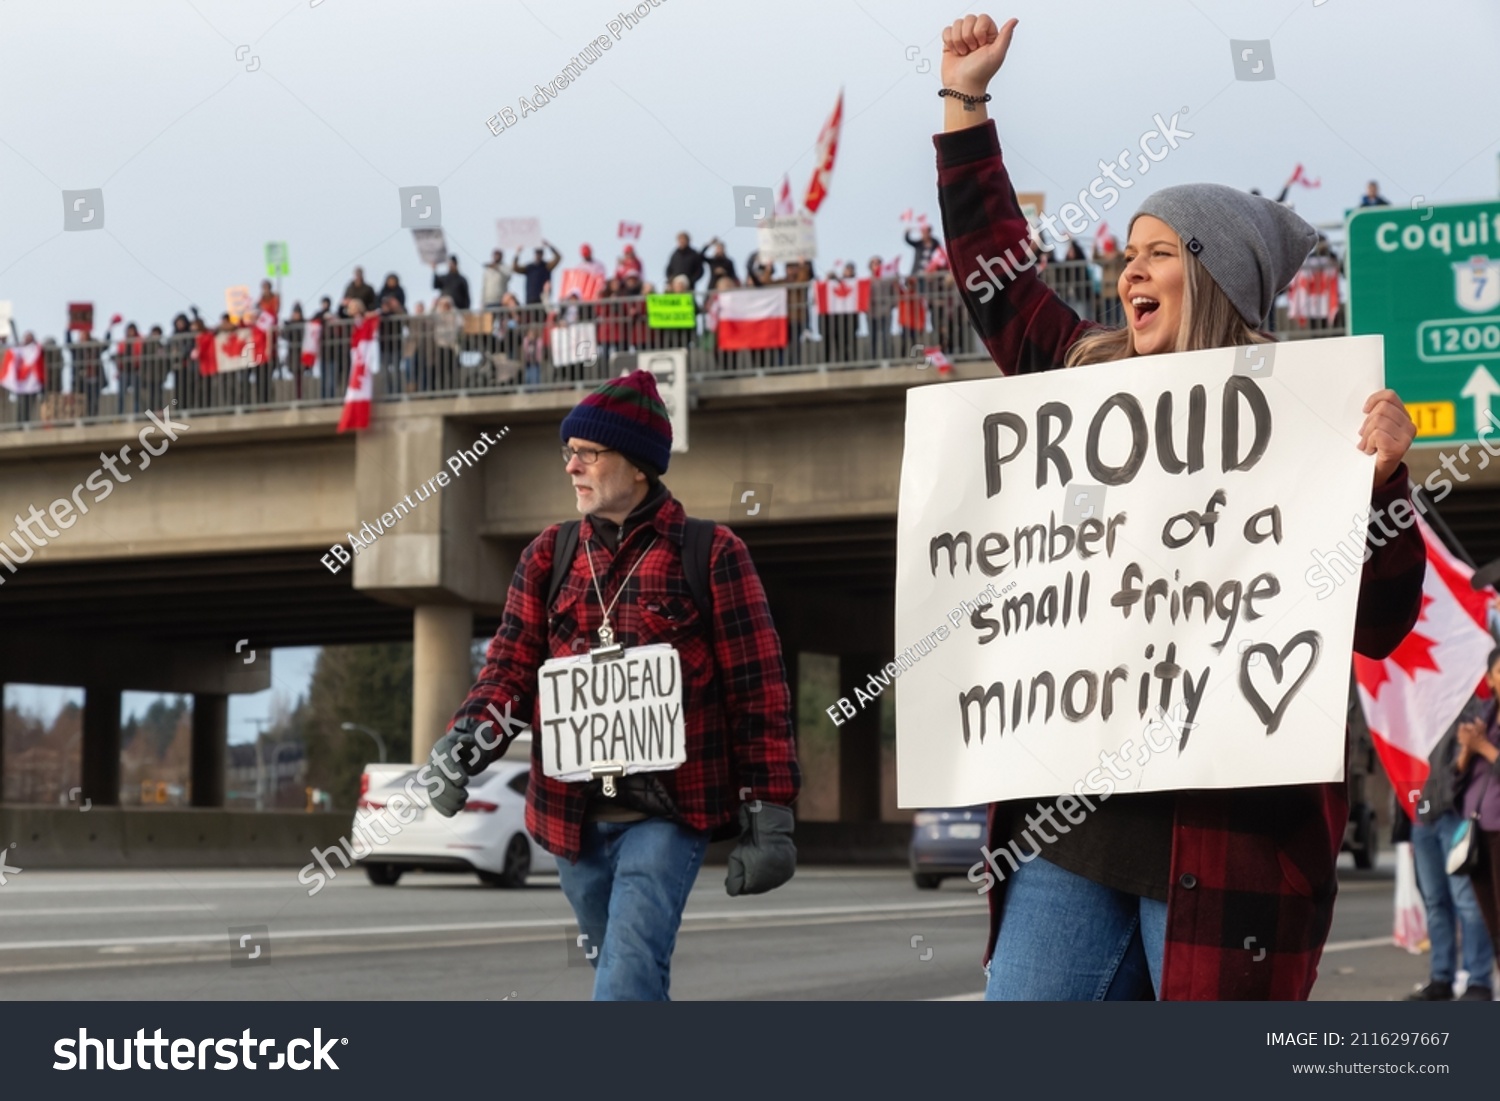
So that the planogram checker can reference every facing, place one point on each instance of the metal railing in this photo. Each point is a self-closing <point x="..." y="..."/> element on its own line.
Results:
<point x="518" y="349"/>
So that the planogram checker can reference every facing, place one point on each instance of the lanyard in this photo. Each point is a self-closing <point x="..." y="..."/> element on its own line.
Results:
<point x="606" y="632"/>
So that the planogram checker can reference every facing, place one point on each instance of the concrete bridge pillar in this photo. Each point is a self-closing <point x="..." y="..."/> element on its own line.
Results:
<point x="210" y="747"/>
<point x="441" y="636"/>
<point x="101" y="746"/>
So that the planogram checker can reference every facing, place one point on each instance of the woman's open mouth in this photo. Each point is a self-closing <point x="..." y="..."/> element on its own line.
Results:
<point x="1143" y="309"/>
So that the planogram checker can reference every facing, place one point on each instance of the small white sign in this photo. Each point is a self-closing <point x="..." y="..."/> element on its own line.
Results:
<point x="431" y="246"/>
<point x="623" y="712"/>
<point x="787" y="237"/>
<point x="519" y="233"/>
<point x="670" y="369"/>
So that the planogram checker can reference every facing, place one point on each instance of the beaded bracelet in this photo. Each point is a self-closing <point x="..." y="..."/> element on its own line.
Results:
<point x="968" y="101"/>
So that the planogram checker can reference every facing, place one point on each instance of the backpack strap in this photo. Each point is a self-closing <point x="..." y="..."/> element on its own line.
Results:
<point x="564" y="550"/>
<point x="697" y="554"/>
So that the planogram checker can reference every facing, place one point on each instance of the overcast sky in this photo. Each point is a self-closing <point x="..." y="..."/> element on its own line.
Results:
<point x="201" y="161"/>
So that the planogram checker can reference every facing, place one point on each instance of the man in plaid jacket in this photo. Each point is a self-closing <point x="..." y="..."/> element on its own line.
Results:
<point x="629" y="851"/>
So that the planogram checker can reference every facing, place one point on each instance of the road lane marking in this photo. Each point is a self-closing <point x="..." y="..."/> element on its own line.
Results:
<point x="1353" y="945"/>
<point x="731" y="917"/>
<point x="100" y="911"/>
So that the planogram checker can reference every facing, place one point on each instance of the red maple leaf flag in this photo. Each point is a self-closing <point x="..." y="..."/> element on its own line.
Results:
<point x="630" y="231"/>
<point x="364" y="364"/>
<point x="22" y="371"/>
<point x="1412" y="696"/>
<point x="828" y="147"/>
<point x="784" y="204"/>
<point x="844" y="296"/>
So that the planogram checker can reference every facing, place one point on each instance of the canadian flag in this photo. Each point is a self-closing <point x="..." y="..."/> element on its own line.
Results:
<point x="938" y="261"/>
<point x="910" y="217"/>
<point x="584" y="282"/>
<point x="630" y="231"/>
<point x="312" y="339"/>
<point x="844" y="296"/>
<point x="220" y="351"/>
<point x="828" y="147"/>
<point x="260" y="336"/>
<point x="890" y="269"/>
<point x="21" y="370"/>
<point x="754" y="317"/>
<point x="364" y="364"/>
<point x="935" y="358"/>
<point x="784" y="203"/>
<point x="1411" y="697"/>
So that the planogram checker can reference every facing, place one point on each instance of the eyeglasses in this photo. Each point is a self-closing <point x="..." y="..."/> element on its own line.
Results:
<point x="588" y="456"/>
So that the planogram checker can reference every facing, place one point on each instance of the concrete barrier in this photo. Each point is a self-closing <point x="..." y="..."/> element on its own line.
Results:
<point x="193" y="837"/>
<point x="169" y="837"/>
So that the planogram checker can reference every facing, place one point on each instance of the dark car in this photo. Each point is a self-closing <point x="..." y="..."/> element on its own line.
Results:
<point x="945" y="842"/>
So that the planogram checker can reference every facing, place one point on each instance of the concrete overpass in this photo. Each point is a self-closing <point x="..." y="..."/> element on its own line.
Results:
<point x="223" y="539"/>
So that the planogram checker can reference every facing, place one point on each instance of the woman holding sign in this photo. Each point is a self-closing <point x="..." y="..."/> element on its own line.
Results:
<point x="1184" y="894"/>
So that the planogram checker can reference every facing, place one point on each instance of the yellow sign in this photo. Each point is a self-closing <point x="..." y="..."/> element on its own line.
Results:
<point x="1432" y="418"/>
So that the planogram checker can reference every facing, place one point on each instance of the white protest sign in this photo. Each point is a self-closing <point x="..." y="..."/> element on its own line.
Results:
<point x="431" y="246"/>
<point x="669" y="367"/>
<point x="575" y="343"/>
<point x="786" y="237"/>
<point x="519" y="233"/>
<point x="1148" y="525"/>
<point x="626" y="711"/>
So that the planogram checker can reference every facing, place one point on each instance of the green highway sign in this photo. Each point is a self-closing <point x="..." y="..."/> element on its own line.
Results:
<point x="1428" y="280"/>
<point x="277" y="261"/>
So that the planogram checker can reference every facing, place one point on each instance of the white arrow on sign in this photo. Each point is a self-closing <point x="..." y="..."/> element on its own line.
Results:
<point x="1481" y="387"/>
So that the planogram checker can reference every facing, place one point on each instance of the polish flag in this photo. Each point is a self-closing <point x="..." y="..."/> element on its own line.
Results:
<point x="630" y="231"/>
<point x="844" y="296"/>
<point x="784" y="204"/>
<point x="1412" y="697"/>
<point x="585" y="283"/>
<point x="828" y="147"/>
<point x="219" y="352"/>
<point x="21" y="370"/>
<point x="364" y="364"/>
<point x="312" y="337"/>
<point x="754" y="317"/>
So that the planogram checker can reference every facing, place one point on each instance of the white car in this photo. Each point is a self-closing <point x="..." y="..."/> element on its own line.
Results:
<point x="488" y="836"/>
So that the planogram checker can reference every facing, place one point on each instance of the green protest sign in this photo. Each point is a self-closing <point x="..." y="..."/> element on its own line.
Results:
<point x="277" y="260"/>
<point x="670" y="311"/>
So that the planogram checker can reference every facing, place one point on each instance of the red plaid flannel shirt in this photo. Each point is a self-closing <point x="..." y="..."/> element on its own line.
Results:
<point x="1252" y="868"/>
<point x="738" y="707"/>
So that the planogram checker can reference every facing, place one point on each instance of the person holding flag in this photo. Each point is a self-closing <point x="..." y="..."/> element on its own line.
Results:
<point x="1153" y="894"/>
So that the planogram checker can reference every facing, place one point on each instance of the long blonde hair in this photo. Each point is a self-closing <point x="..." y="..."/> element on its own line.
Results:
<point x="1209" y="320"/>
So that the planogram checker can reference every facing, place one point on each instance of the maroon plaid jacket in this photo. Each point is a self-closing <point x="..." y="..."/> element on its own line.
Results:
<point x="1252" y="881"/>
<point x="738" y="708"/>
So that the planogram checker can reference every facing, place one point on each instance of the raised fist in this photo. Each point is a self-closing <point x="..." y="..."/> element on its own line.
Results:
<point x="973" y="51"/>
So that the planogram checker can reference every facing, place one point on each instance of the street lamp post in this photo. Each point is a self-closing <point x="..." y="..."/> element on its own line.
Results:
<point x="379" y="741"/>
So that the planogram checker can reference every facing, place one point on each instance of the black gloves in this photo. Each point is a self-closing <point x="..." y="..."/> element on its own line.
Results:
<point x="466" y="750"/>
<point x="765" y="856"/>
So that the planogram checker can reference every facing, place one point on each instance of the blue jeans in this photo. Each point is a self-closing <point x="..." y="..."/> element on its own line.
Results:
<point x="628" y="889"/>
<point x="1450" y="902"/>
<point x="1064" y="938"/>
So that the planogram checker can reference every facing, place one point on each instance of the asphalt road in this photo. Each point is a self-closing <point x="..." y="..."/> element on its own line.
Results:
<point x="829" y="934"/>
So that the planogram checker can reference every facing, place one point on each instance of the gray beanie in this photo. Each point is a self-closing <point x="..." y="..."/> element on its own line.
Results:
<point x="1251" y="245"/>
